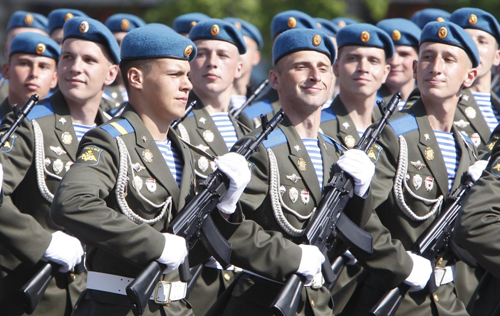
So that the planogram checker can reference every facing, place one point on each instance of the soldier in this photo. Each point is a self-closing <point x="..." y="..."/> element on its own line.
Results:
<point x="422" y="17"/>
<point x="291" y="168"/>
<point x="422" y="158"/>
<point x="134" y="175"/>
<point x="184" y="23"/>
<point x="38" y="156"/>
<point x="405" y="35"/>
<point x="361" y="68"/>
<point x="331" y="30"/>
<point x="32" y="68"/>
<point x="57" y="18"/>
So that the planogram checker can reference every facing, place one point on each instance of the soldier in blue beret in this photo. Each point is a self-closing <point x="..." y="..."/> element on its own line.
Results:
<point x="32" y="68"/>
<point x="422" y="17"/>
<point x="421" y="159"/>
<point x="331" y="30"/>
<point x="38" y="156"/>
<point x="184" y="23"/>
<point x="242" y="88"/>
<point x="342" y="22"/>
<point x="57" y="18"/>
<point x="405" y="35"/>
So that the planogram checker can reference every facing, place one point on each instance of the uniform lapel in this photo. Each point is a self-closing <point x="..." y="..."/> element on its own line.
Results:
<point x="464" y="157"/>
<point x="187" y="169"/>
<point x="328" y="160"/>
<point x="205" y="127"/>
<point x="65" y="133"/>
<point x="470" y="110"/>
<point x="348" y="134"/>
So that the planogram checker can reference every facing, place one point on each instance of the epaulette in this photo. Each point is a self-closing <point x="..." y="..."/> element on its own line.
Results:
<point x="404" y="124"/>
<point x="40" y="110"/>
<point x="330" y="141"/>
<point x="277" y="137"/>
<point x="256" y="109"/>
<point x="118" y="128"/>
<point x="328" y="115"/>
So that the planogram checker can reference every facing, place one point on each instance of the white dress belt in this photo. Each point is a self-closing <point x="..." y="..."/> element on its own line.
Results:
<point x="444" y="275"/>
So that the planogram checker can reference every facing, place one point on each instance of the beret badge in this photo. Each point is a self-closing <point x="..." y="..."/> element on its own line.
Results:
<point x="214" y="30"/>
<point x="440" y="19"/>
<point x="365" y="36"/>
<point x="291" y="22"/>
<point x="341" y="24"/>
<point x="396" y="35"/>
<point x="28" y="19"/>
<point x="316" y="40"/>
<point x="192" y="24"/>
<point x="40" y="48"/>
<point x="125" y="24"/>
<point x="237" y="25"/>
<point x="188" y="50"/>
<point x="443" y="32"/>
<point x="473" y="19"/>
<point x="84" y="27"/>
<point x="68" y="16"/>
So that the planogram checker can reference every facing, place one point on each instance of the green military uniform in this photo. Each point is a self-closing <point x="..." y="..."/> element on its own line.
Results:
<point x="285" y="186"/>
<point x="407" y="214"/>
<point x="112" y="100"/>
<point x="38" y="156"/>
<point x="385" y="93"/>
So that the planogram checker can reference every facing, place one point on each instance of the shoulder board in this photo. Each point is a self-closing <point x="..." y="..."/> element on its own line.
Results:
<point x="40" y="110"/>
<point x="277" y="137"/>
<point x="330" y="141"/>
<point x="404" y="124"/>
<point x="118" y="128"/>
<point x="256" y="109"/>
<point x="328" y="115"/>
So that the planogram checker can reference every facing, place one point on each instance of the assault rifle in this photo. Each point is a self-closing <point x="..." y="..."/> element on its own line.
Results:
<point x="329" y="222"/>
<point x="237" y="112"/>
<point x="432" y="244"/>
<point x="194" y="222"/>
<point x="189" y="109"/>
<point x="20" y="115"/>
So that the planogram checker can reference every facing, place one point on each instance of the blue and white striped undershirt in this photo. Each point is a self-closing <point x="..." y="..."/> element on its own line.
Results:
<point x="490" y="114"/>
<point x="312" y="147"/>
<point x="172" y="159"/>
<point x="360" y="133"/>
<point x="238" y="100"/>
<point x="449" y="150"/>
<point x="226" y="128"/>
<point x="80" y="130"/>
<point x="401" y="105"/>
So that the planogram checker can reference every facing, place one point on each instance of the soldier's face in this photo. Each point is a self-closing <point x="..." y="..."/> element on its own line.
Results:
<point x="57" y="35"/>
<point x="304" y="79"/>
<point x="489" y="55"/>
<point x="251" y="58"/>
<point x="215" y="67"/>
<point x="30" y="74"/>
<point x="361" y="70"/>
<point x="84" y="70"/>
<point x="442" y="70"/>
<point x="401" y="66"/>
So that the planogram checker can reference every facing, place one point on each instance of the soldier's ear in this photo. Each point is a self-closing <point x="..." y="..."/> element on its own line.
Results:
<point x="496" y="60"/>
<point x="135" y="78"/>
<point x="5" y="70"/>
<point x="112" y="73"/>
<point x="274" y="79"/>
<point x="471" y="76"/>
<point x="415" y="69"/>
<point x="239" y="70"/>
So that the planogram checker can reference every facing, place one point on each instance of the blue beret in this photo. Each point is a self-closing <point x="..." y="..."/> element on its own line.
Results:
<point x="27" y="19"/>
<point x="35" y="44"/>
<point x="289" y="20"/>
<point x="92" y="30"/>
<point x="402" y="31"/>
<point x="327" y="26"/>
<point x="160" y="24"/>
<point x="157" y="41"/>
<point x="341" y="22"/>
<point x="472" y="18"/>
<point x="122" y="22"/>
<point x="216" y="29"/>
<point x="184" y="23"/>
<point x="303" y="39"/>
<point x="59" y="16"/>
<point x="364" y="34"/>
<point x="247" y="29"/>
<point x="451" y="34"/>
<point x="422" y="17"/>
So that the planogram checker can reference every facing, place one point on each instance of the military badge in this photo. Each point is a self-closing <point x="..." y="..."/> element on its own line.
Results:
<point x="495" y="167"/>
<point x="407" y="177"/>
<point x="202" y="120"/>
<point x="57" y="150"/>
<point x="62" y="120"/>
<point x="302" y="164"/>
<point x="147" y="155"/>
<point x="293" y="194"/>
<point x="208" y="136"/>
<point x="374" y="152"/>
<point x="151" y="185"/>
<point x="90" y="155"/>
<point x="294" y="178"/>
<point x="396" y="35"/>
<point x="470" y="112"/>
<point x="125" y="24"/>
<point x="304" y="196"/>
<point x="214" y="30"/>
<point x="40" y="48"/>
<point x="316" y="40"/>
<point x="440" y="19"/>
<point x="417" y="164"/>
<point x="47" y="162"/>
<point x="341" y="24"/>
<point x="138" y="183"/>
<point x="429" y="183"/>
<point x="417" y="181"/>
<point x="9" y="144"/>
<point x="346" y="125"/>
<point x="68" y="16"/>
<point x="203" y="164"/>
<point x="476" y="139"/>
<point x="84" y="27"/>
<point x="443" y="32"/>
<point x="192" y="24"/>
<point x="28" y="19"/>
<point x="66" y="138"/>
<point x="365" y="36"/>
<point x="426" y="136"/>
<point x="201" y="147"/>
<point x="297" y="147"/>
<point x="213" y="165"/>
<point x="137" y="167"/>
<point x="429" y="154"/>
<point x="473" y="19"/>
<point x="57" y="166"/>
<point x="350" y="141"/>
<point x="461" y="124"/>
<point x="68" y="165"/>
<point x="144" y="138"/>
<point x="465" y="97"/>
<point x="188" y="50"/>
<point x="292" y="22"/>
<point x="282" y="190"/>
<point x="493" y="141"/>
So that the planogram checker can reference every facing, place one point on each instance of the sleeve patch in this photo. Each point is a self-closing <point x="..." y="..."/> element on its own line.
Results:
<point x="374" y="153"/>
<point x="9" y="144"/>
<point x="495" y="168"/>
<point x="493" y="140"/>
<point x="90" y="155"/>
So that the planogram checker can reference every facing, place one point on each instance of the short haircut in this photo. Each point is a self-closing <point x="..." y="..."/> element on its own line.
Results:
<point x="145" y="65"/>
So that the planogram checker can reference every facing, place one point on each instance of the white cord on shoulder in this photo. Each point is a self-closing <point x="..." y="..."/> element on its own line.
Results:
<point x="40" y="164"/>
<point x="401" y="181"/>
<point x="277" y="201"/>
<point x="121" y="185"/>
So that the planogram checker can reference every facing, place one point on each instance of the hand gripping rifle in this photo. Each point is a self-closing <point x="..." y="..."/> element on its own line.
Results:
<point x="189" y="109"/>
<point x="329" y="221"/>
<point x="237" y="112"/>
<point x="194" y="222"/>
<point x="432" y="244"/>
<point x="20" y="115"/>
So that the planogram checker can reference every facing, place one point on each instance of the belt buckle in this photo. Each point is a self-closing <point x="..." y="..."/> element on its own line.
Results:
<point x="162" y="292"/>
<point x="436" y="270"/>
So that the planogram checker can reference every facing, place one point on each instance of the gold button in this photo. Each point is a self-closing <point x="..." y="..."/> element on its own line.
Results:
<point x="227" y="277"/>
<point x="72" y="275"/>
<point x="214" y="30"/>
<point x="440" y="261"/>
<point x="436" y="298"/>
<point x="365" y="36"/>
<point x="291" y="22"/>
<point x="313" y="303"/>
<point x="442" y="32"/>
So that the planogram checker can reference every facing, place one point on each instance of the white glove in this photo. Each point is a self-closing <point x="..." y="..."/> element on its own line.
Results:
<point x="476" y="170"/>
<point x="65" y="250"/>
<point x="174" y="252"/>
<point x="351" y="260"/>
<point x="236" y="168"/>
<point x="420" y="273"/>
<point x="310" y="263"/>
<point x="356" y="163"/>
